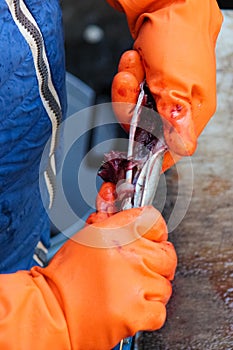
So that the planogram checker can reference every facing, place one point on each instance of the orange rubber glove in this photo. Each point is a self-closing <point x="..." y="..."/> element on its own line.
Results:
<point x="176" y="41"/>
<point x="91" y="297"/>
<point x="105" y="203"/>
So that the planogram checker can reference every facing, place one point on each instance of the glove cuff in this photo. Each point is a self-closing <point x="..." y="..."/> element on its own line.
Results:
<point x="137" y="11"/>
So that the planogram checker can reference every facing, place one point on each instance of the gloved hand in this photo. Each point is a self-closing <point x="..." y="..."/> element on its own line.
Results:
<point x="176" y="43"/>
<point x="109" y="281"/>
<point x="111" y="293"/>
<point x="105" y="203"/>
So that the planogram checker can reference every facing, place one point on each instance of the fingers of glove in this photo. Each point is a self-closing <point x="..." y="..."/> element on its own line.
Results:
<point x="170" y="158"/>
<point x="125" y="91"/>
<point x="130" y="61"/>
<point x="96" y="217"/>
<point x="158" y="257"/>
<point x="152" y="318"/>
<point x="174" y="105"/>
<point x="147" y="307"/>
<point x="126" y="86"/>
<point x="184" y="89"/>
<point x="155" y="317"/>
<point x="105" y="200"/>
<point x="146" y="221"/>
<point x="114" y="231"/>
<point x="156" y="288"/>
<point x="125" y="227"/>
<point x="155" y="229"/>
<point x="178" y="125"/>
<point x="105" y="204"/>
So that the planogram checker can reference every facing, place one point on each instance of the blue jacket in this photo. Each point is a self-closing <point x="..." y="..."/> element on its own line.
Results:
<point x="25" y="128"/>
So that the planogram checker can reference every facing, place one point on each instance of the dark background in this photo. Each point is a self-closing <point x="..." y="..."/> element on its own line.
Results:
<point x="226" y="4"/>
<point x="96" y="63"/>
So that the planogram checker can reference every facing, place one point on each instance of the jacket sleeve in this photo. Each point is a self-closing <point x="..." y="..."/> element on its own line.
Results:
<point x="30" y="314"/>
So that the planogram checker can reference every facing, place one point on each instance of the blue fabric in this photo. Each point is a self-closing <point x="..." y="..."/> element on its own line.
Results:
<point x="24" y="130"/>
